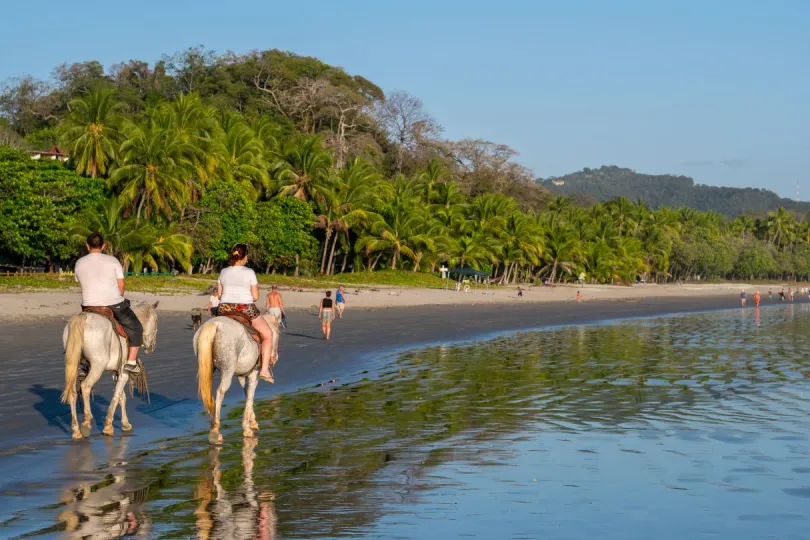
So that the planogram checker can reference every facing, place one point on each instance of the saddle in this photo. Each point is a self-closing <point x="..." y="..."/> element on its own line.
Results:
<point x="242" y="319"/>
<point x="108" y="314"/>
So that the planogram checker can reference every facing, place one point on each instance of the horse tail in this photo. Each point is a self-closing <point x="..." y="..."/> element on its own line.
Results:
<point x="73" y="354"/>
<point x="205" y="365"/>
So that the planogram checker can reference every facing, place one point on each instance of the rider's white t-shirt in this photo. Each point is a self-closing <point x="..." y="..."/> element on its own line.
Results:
<point x="98" y="274"/>
<point x="236" y="282"/>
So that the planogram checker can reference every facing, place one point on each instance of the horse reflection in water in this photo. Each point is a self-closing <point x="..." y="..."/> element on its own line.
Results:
<point x="105" y="508"/>
<point x="242" y="514"/>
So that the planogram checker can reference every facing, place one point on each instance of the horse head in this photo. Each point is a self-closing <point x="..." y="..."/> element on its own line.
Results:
<point x="149" y="319"/>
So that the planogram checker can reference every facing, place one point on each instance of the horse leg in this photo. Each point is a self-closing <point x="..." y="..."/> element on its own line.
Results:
<point x="74" y="419"/>
<point x="117" y="393"/>
<point x="250" y="391"/>
<point x="125" y="425"/>
<point x="246" y="431"/>
<point x="96" y="370"/>
<point x="224" y="384"/>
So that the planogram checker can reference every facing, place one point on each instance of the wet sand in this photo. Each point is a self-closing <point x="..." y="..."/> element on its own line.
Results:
<point x="37" y="454"/>
<point x="31" y="369"/>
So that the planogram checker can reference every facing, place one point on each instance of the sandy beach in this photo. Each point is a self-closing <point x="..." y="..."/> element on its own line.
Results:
<point x="31" y="305"/>
<point x="31" y="388"/>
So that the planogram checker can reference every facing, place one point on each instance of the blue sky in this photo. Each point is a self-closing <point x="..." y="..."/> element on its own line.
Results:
<point x="714" y="89"/>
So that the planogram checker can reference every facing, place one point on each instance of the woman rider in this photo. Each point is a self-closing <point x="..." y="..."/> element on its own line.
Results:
<point x="238" y="289"/>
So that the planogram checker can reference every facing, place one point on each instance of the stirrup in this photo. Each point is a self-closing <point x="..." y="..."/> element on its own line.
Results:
<point x="132" y="369"/>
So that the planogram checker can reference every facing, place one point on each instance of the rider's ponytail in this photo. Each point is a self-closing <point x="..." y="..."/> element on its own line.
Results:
<point x="237" y="253"/>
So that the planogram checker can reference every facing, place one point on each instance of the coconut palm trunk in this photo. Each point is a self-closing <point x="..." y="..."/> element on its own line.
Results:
<point x="330" y="266"/>
<point x="325" y="249"/>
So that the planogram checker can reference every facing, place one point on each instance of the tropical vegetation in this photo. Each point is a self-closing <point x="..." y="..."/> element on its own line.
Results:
<point x="323" y="173"/>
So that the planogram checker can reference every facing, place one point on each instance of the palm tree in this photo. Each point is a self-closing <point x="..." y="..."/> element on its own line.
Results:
<point x="521" y="244"/>
<point x="473" y="249"/>
<point x="303" y="167"/>
<point x="93" y="132"/>
<point x="489" y="212"/>
<point x="154" y="166"/>
<point x="352" y="202"/>
<point x="781" y="225"/>
<point x="434" y="174"/>
<point x="239" y="157"/>
<point x="560" y="251"/>
<point x="120" y="234"/>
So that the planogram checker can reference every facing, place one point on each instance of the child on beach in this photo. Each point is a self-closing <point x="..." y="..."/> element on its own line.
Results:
<point x="742" y="297"/>
<point x="756" y="299"/>
<point x="520" y="292"/>
<point x="579" y="296"/>
<point x="770" y="294"/>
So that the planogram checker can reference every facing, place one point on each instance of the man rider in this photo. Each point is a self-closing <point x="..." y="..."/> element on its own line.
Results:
<point x="102" y="280"/>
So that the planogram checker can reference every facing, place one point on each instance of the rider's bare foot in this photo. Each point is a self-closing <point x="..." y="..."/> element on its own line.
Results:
<point x="266" y="377"/>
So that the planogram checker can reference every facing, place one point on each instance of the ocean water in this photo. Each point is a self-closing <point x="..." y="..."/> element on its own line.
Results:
<point x="693" y="426"/>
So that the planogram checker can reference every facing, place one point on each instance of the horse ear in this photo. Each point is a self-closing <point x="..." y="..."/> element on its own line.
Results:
<point x="155" y="305"/>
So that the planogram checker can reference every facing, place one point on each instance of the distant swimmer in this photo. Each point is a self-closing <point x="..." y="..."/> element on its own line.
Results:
<point x="742" y="297"/>
<point x="756" y="299"/>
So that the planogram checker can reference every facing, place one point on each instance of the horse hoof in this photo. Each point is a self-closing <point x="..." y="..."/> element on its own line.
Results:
<point x="108" y="431"/>
<point x="254" y="427"/>
<point x="215" y="438"/>
<point x="126" y="427"/>
<point x="77" y="436"/>
<point x="85" y="430"/>
<point x="248" y="434"/>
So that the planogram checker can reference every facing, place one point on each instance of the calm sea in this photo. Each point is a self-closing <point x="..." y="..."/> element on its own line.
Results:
<point x="681" y="427"/>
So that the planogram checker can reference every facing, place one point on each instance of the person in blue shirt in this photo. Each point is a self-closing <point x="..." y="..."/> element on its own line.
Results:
<point x="340" y="302"/>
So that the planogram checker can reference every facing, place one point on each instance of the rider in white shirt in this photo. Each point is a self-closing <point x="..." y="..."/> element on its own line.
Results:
<point x="238" y="290"/>
<point x="102" y="281"/>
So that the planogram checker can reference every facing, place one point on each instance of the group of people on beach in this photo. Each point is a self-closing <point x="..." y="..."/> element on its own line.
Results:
<point x="801" y="291"/>
<point x="101" y="278"/>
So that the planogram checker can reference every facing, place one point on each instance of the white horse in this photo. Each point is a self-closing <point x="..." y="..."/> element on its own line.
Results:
<point x="224" y="344"/>
<point x="92" y="337"/>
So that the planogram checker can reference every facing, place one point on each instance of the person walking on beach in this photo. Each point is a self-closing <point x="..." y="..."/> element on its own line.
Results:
<point x="782" y="295"/>
<point x="520" y="292"/>
<point x="101" y="278"/>
<point x="790" y="295"/>
<point x="742" y="297"/>
<point x="340" y="302"/>
<point x="213" y="304"/>
<point x="756" y="299"/>
<point x="770" y="295"/>
<point x="325" y="315"/>
<point x="238" y="290"/>
<point x="579" y="296"/>
<point x="274" y="305"/>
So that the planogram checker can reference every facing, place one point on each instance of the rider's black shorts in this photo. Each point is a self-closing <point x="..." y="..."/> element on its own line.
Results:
<point x="129" y="322"/>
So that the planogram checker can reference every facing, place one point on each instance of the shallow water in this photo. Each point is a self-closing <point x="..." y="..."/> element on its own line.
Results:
<point x="681" y="427"/>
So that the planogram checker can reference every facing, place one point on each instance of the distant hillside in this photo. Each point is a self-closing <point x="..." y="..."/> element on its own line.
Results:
<point x="610" y="182"/>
